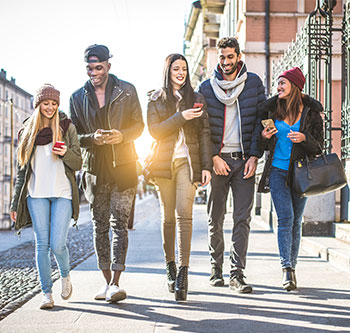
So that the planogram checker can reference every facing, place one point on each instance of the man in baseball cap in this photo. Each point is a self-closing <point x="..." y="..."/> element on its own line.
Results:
<point x="94" y="51"/>
<point x="107" y="115"/>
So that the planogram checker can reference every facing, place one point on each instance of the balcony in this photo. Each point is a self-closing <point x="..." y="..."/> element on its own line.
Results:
<point x="213" y="6"/>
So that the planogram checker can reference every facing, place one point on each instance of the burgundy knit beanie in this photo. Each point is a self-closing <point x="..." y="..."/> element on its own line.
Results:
<point x="296" y="76"/>
<point x="47" y="91"/>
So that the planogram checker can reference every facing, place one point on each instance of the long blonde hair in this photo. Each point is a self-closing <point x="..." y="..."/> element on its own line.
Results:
<point x="28" y="134"/>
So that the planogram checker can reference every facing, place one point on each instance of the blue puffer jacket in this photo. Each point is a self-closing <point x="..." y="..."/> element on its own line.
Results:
<point x="252" y="94"/>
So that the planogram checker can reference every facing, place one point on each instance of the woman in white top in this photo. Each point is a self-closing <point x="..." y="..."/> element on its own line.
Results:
<point x="46" y="192"/>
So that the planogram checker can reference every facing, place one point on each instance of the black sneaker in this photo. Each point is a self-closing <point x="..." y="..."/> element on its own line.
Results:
<point x="238" y="284"/>
<point x="216" y="279"/>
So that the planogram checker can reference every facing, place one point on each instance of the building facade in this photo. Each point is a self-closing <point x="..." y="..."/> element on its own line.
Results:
<point x="265" y="29"/>
<point x="15" y="106"/>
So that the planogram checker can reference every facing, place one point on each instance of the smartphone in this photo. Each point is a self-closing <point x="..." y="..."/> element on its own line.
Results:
<point x="268" y="123"/>
<point x="106" y="132"/>
<point x="58" y="144"/>
<point x="197" y="105"/>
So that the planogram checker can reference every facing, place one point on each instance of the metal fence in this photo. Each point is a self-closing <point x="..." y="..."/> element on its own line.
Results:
<point x="312" y="52"/>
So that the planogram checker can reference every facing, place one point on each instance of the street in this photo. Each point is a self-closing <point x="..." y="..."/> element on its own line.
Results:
<point x="321" y="303"/>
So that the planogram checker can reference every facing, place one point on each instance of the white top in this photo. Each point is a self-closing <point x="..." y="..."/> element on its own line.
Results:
<point x="180" y="149"/>
<point x="48" y="179"/>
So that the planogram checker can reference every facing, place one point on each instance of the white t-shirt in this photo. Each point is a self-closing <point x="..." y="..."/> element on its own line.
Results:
<point x="48" y="179"/>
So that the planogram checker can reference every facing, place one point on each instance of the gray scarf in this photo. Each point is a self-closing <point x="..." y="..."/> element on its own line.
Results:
<point x="232" y="88"/>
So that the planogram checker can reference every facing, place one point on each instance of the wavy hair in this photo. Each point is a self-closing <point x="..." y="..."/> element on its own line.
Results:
<point x="289" y="107"/>
<point x="29" y="132"/>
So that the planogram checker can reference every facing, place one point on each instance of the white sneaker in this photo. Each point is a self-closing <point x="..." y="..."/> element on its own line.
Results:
<point x="115" y="294"/>
<point x="101" y="294"/>
<point x="47" y="301"/>
<point x="67" y="288"/>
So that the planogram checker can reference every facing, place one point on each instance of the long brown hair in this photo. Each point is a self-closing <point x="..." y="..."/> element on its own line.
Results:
<point x="186" y="90"/>
<point x="31" y="128"/>
<point x="289" y="107"/>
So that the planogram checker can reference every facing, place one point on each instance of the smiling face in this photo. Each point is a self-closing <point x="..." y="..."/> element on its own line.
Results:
<point x="283" y="88"/>
<point x="178" y="73"/>
<point x="228" y="60"/>
<point x="48" y="108"/>
<point x="98" y="72"/>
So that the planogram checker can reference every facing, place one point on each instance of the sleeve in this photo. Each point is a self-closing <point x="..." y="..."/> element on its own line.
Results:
<point x="136" y="125"/>
<point x="255" y="145"/>
<point x="86" y="139"/>
<point x="205" y="144"/>
<point x="314" y="136"/>
<point x="72" y="157"/>
<point x="20" y="175"/>
<point x="160" y="129"/>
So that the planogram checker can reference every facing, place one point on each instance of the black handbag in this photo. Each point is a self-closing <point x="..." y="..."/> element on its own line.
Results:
<point x="319" y="175"/>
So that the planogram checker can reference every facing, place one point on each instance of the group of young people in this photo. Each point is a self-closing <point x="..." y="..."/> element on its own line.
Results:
<point x="211" y="136"/>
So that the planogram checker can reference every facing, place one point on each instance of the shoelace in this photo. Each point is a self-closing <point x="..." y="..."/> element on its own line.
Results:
<point x="171" y="272"/>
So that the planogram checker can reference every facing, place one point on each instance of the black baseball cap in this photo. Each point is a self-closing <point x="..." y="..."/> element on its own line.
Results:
<point x="99" y="51"/>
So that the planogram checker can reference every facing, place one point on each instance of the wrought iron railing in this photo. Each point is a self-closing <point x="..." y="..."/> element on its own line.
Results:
<point x="345" y="114"/>
<point x="312" y="52"/>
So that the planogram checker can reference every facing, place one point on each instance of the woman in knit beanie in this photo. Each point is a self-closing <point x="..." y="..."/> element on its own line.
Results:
<point x="46" y="192"/>
<point x="297" y="131"/>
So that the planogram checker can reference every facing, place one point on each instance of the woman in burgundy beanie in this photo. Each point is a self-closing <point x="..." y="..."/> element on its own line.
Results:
<point x="297" y="131"/>
<point x="46" y="193"/>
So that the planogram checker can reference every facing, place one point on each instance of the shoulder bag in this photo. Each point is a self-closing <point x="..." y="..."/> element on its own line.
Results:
<point x="318" y="175"/>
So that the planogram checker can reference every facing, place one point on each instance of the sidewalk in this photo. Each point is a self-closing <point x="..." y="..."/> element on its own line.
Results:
<point x="321" y="304"/>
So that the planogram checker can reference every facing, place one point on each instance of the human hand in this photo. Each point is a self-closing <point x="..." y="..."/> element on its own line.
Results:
<point x="250" y="167"/>
<point x="13" y="216"/>
<point x="59" y="151"/>
<point x="192" y="113"/>
<point x="206" y="177"/>
<point x="296" y="137"/>
<point x="268" y="132"/>
<point x="99" y="137"/>
<point x="220" y="167"/>
<point x="114" y="137"/>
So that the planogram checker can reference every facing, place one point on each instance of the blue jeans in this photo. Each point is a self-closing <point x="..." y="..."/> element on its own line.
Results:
<point x="289" y="208"/>
<point x="51" y="218"/>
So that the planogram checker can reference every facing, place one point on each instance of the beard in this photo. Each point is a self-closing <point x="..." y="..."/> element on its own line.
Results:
<point x="234" y="67"/>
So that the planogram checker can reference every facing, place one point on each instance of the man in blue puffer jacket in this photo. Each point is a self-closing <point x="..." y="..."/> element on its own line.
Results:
<point x="232" y="95"/>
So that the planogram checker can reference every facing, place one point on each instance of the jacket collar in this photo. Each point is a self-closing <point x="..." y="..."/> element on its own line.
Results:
<point x="271" y="104"/>
<point x="116" y="87"/>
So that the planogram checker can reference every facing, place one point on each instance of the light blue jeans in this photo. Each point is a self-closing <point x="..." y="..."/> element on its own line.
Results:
<point x="51" y="218"/>
<point x="289" y="208"/>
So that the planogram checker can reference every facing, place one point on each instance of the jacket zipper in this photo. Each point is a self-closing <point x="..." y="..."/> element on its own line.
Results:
<point x="240" y="128"/>
<point x="109" y="122"/>
<point x="223" y="133"/>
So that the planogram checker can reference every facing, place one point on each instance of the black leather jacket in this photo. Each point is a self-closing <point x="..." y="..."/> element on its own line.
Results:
<point x="123" y="113"/>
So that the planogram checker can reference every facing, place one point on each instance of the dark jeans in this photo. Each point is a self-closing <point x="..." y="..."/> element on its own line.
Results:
<point x="289" y="208"/>
<point x="243" y="196"/>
